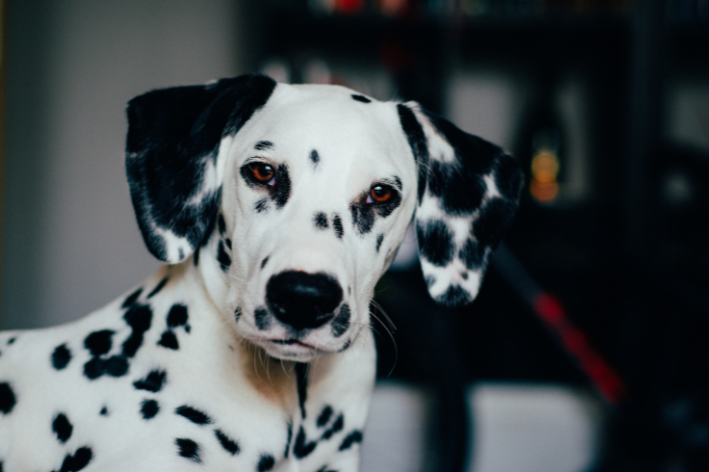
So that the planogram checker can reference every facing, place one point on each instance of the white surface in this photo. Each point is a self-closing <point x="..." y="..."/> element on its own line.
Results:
<point x="518" y="428"/>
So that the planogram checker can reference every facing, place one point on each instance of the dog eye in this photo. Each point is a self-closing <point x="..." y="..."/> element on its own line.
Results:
<point x="260" y="172"/>
<point x="380" y="194"/>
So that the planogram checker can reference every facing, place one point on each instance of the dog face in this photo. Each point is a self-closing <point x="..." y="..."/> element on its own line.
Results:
<point x="302" y="194"/>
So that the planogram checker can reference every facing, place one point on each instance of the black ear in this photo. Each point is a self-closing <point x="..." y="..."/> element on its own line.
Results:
<point x="174" y="138"/>
<point x="468" y="194"/>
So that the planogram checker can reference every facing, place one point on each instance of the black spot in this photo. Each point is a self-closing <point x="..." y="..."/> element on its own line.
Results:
<point x="261" y="205"/>
<point x="314" y="157"/>
<point x="158" y="287"/>
<point x="493" y="221"/>
<point x="418" y="143"/>
<point x="263" y="145"/>
<point x="62" y="428"/>
<point x="115" y="366"/>
<point x="227" y="241"/>
<point x="361" y="98"/>
<point x="11" y="341"/>
<point x="464" y="275"/>
<point x="7" y="398"/>
<point x="149" y="409"/>
<point x="76" y="462"/>
<point x="337" y="426"/>
<point x="362" y="217"/>
<point x="324" y="416"/>
<point x="352" y="438"/>
<point x="131" y="298"/>
<point x="472" y="254"/>
<point x="264" y="262"/>
<point x="302" y="446"/>
<point x="397" y="182"/>
<point x="261" y="318"/>
<point x="265" y="463"/>
<point x="435" y="242"/>
<point x="347" y="345"/>
<point x="138" y="318"/>
<point x="237" y="314"/>
<point x="196" y="257"/>
<point x="337" y="224"/>
<point x="325" y="468"/>
<point x="223" y="258"/>
<point x="195" y="416"/>
<point x="321" y="220"/>
<point x="169" y="340"/>
<point x="188" y="448"/>
<point x="282" y="187"/>
<point x="221" y="224"/>
<point x="104" y="411"/>
<point x="301" y="383"/>
<point x="61" y="357"/>
<point x="380" y="239"/>
<point x="288" y="440"/>
<point x="153" y="382"/>
<point x="341" y="321"/>
<point x="227" y="443"/>
<point x="99" y="342"/>
<point x="455" y="296"/>
<point x="177" y="316"/>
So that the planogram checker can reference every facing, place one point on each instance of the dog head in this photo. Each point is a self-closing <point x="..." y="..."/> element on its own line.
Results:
<point x="299" y="196"/>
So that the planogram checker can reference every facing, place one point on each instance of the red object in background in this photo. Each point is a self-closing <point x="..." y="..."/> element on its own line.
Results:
<point x="575" y="342"/>
<point x="349" y="7"/>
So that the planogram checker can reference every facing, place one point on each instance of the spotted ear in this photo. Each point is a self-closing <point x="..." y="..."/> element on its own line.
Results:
<point x="468" y="192"/>
<point x="174" y="136"/>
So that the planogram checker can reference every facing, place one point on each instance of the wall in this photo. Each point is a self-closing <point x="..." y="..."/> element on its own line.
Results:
<point x="71" y="243"/>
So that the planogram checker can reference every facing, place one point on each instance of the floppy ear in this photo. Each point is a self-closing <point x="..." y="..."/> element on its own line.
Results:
<point x="173" y="142"/>
<point x="468" y="191"/>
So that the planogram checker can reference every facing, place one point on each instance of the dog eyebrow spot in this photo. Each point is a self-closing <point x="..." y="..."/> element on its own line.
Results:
<point x="337" y="224"/>
<point x="321" y="220"/>
<point x="361" y="98"/>
<point x="314" y="157"/>
<point x="263" y="145"/>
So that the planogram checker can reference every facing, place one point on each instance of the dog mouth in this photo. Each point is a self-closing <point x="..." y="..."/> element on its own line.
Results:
<point x="292" y="342"/>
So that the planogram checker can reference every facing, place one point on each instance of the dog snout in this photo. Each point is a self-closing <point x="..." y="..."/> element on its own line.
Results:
<point x="302" y="300"/>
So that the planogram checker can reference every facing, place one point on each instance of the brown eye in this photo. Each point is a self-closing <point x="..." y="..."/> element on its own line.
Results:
<point x="262" y="172"/>
<point x="380" y="194"/>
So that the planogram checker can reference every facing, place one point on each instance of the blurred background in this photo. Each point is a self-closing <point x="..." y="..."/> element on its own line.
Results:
<point x="587" y="346"/>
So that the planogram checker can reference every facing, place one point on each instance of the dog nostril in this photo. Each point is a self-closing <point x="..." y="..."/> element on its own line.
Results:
<point x="302" y="300"/>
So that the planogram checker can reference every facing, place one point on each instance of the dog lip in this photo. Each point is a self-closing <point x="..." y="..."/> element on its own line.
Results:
<point x="290" y="342"/>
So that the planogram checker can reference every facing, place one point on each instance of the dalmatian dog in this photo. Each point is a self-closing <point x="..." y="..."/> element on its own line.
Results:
<point x="276" y="208"/>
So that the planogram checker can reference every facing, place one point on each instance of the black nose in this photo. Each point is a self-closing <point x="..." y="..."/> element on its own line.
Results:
<point x="303" y="300"/>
